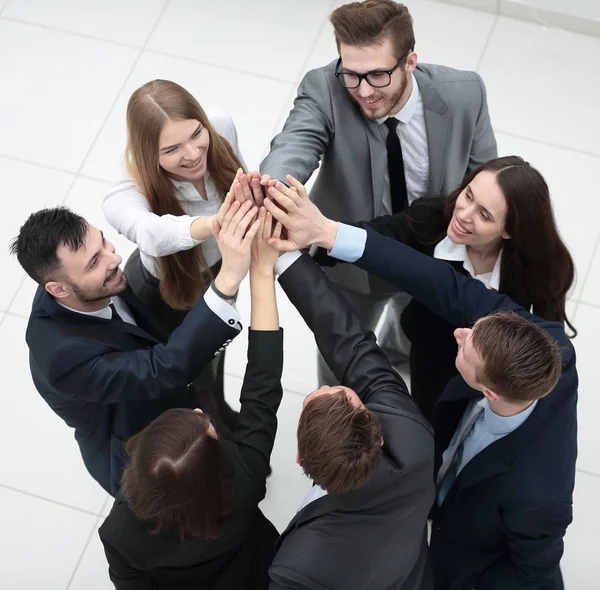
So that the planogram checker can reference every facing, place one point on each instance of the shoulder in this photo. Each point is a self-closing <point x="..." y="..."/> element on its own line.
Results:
<point x="319" y="79"/>
<point x="456" y="87"/>
<point x="223" y="124"/>
<point x="445" y="75"/>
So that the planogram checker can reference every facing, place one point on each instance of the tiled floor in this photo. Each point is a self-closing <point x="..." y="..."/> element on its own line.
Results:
<point x="67" y="69"/>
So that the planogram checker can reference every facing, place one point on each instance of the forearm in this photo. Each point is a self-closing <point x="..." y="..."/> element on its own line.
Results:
<point x="264" y="314"/>
<point x="201" y="228"/>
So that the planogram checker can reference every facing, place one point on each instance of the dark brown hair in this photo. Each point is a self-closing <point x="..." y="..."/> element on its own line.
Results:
<point x="521" y="361"/>
<point x="182" y="275"/>
<point x="339" y="444"/>
<point x="361" y="24"/>
<point x="178" y="479"/>
<point x="537" y="269"/>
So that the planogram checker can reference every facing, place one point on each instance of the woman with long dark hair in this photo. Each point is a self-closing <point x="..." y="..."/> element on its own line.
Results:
<point x="181" y="163"/>
<point x="498" y="226"/>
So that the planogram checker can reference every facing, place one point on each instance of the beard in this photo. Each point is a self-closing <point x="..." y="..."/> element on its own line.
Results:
<point x="88" y="295"/>
<point x="387" y="104"/>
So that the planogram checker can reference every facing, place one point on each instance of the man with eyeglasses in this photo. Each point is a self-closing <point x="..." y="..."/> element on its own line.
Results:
<point x="385" y="132"/>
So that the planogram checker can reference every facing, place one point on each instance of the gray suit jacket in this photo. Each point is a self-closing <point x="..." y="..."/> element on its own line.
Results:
<point x="326" y="126"/>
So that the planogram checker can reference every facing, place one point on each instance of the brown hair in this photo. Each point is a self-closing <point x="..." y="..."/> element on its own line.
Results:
<point x="178" y="479"/>
<point x="182" y="275"/>
<point x="537" y="269"/>
<point x="520" y="360"/>
<point x="339" y="444"/>
<point x="361" y="24"/>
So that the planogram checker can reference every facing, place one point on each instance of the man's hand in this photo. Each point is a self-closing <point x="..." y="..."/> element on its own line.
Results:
<point x="265" y="256"/>
<point x="304" y="223"/>
<point x="234" y="237"/>
<point x="247" y="187"/>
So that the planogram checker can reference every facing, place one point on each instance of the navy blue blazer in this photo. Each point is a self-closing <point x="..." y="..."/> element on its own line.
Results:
<point x="502" y="524"/>
<point x="108" y="379"/>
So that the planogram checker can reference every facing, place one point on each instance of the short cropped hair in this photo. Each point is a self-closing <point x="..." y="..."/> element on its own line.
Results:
<point x="39" y="238"/>
<point x="521" y="361"/>
<point x="339" y="444"/>
<point x="361" y="24"/>
<point x="178" y="479"/>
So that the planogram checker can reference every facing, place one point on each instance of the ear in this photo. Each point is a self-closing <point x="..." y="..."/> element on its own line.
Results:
<point x="411" y="61"/>
<point x="381" y="441"/>
<point x="57" y="289"/>
<point x="492" y="396"/>
<point x="298" y="460"/>
<point x="505" y="236"/>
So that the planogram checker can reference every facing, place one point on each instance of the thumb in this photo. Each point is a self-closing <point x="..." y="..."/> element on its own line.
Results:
<point x="281" y="245"/>
<point x="216" y="228"/>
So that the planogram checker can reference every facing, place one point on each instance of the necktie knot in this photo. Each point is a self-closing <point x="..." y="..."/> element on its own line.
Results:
<point x="115" y="313"/>
<point x="391" y="123"/>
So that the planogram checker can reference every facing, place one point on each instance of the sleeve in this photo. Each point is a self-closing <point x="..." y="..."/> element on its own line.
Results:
<point x="95" y="375"/>
<point x="297" y="150"/>
<point x="535" y="547"/>
<point x="260" y="398"/>
<point x="123" y="575"/>
<point x="226" y="311"/>
<point x="483" y="147"/>
<point x="457" y="299"/>
<point x="351" y="353"/>
<point x="128" y="211"/>
<point x="349" y="243"/>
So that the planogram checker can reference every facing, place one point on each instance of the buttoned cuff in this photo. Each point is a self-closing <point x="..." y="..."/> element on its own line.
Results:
<point x="285" y="261"/>
<point x="349" y="243"/>
<point x="226" y="311"/>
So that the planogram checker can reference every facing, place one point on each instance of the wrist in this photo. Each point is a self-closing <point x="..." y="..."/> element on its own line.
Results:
<point x="328" y="234"/>
<point x="262" y="272"/>
<point x="227" y="284"/>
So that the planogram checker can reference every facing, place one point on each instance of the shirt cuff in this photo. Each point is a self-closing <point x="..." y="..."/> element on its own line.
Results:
<point x="226" y="311"/>
<point x="285" y="261"/>
<point x="349" y="243"/>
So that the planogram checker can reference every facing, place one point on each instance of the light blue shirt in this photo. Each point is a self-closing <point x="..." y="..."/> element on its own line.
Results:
<point x="488" y="428"/>
<point x="349" y="243"/>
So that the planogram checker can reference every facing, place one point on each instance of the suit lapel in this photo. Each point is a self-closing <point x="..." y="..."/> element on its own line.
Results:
<point x="140" y="312"/>
<point x="437" y="124"/>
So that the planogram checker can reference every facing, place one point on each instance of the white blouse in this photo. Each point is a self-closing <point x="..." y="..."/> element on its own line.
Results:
<point x="127" y="209"/>
<point x="449" y="250"/>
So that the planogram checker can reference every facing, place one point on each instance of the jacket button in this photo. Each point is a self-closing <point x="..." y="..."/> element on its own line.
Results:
<point x="189" y="386"/>
<point x="231" y="322"/>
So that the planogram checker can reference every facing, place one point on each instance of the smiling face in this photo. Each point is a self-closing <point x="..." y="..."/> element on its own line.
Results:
<point x="90" y="276"/>
<point x="479" y="213"/>
<point x="183" y="149"/>
<point x="376" y="103"/>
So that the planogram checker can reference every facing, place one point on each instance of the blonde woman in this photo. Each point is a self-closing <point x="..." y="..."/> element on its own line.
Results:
<point x="181" y="163"/>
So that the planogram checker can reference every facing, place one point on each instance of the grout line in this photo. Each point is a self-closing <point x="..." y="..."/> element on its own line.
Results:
<point x="586" y="472"/>
<point x="548" y="143"/>
<point x="68" y="32"/>
<point x="17" y="315"/>
<point x="32" y="163"/>
<point x="63" y="504"/>
<point x="586" y="303"/>
<point x="487" y="42"/>
<point x="587" y="273"/>
<point x="2" y="9"/>
<point x="86" y="545"/>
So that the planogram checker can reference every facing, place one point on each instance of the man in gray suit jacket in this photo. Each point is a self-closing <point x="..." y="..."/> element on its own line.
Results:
<point x="341" y="119"/>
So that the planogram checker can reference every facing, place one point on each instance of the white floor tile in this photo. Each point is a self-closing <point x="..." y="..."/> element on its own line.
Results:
<point x="122" y="21"/>
<point x="263" y="37"/>
<point x="40" y="541"/>
<point x="587" y="322"/>
<point x="26" y="188"/>
<point x="540" y="84"/>
<point x="569" y="176"/>
<point x="62" y="88"/>
<point x="591" y="289"/>
<point x="582" y="536"/>
<point x="299" y="348"/>
<point x="48" y="462"/>
<point x="255" y="105"/>
<point x="92" y="572"/>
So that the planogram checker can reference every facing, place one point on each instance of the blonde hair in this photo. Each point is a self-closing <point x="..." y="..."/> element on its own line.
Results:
<point x="182" y="275"/>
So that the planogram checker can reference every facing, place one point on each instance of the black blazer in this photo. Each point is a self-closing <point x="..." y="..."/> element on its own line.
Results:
<point x="109" y="379"/>
<point x="374" y="537"/>
<point x="239" y="558"/>
<point x="502" y="524"/>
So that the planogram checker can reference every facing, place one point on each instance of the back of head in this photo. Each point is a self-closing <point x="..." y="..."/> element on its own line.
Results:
<point x="520" y="360"/>
<point x="339" y="444"/>
<point x="362" y="24"/>
<point x="39" y="238"/>
<point x="183" y="279"/>
<point x="177" y="479"/>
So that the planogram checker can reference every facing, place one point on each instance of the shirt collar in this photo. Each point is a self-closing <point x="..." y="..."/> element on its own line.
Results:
<point x="105" y="313"/>
<point x="449" y="250"/>
<point x="502" y="425"/>
<point x="408" y="111"/>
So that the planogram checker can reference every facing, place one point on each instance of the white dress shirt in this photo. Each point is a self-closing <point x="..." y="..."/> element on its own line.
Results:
<point x="128" y="211"/>
<point x="413" y="138"/>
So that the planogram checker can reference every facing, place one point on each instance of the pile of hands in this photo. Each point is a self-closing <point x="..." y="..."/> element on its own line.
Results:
<point x="260" y="218"/>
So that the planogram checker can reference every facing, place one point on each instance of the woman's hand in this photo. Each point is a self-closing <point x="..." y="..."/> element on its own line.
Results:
<point x="264" y="256"/>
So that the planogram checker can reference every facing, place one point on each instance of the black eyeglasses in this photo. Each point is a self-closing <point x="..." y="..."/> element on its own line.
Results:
<point x="376" y="78"/>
